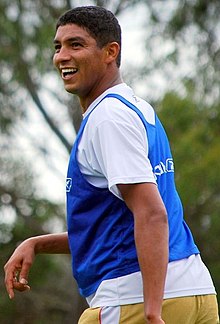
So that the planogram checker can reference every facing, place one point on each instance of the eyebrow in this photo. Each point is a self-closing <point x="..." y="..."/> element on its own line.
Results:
<point x="71" y="39"/>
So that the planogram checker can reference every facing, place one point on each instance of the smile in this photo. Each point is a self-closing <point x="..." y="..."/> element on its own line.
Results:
<point x="68" y="72"/>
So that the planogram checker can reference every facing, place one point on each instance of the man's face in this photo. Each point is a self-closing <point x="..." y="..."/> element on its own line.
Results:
<point x="80" y="61"/>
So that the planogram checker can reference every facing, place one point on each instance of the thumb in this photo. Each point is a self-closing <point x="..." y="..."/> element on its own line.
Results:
<point x="23" y="281"/>
<point x="24" y="272"/>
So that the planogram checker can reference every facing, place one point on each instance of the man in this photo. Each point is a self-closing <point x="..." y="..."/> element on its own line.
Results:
<point x="121" y="196"/>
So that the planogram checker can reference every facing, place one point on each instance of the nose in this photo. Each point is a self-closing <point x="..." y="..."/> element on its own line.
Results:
<point x="63" y="55"/>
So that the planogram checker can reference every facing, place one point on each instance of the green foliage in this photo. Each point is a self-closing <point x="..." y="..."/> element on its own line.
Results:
<point x="184" y="45"/>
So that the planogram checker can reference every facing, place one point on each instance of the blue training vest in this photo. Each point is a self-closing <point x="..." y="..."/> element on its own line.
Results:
<point x="101" y="227"/>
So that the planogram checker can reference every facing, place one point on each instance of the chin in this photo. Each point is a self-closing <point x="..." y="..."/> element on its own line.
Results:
<point x="70" y="89"/>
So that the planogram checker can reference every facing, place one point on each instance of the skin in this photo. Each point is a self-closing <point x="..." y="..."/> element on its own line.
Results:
<point x="95" y="71"/>
<point x="150" y="221"/>
<point x="96" y="67"/>
<point x="18" y="266"/>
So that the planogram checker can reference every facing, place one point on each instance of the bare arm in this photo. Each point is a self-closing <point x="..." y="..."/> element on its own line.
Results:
<point x="18" y="266"/>
<point x="151" y="238"/>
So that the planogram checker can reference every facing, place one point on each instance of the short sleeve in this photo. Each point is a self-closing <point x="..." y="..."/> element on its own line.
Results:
<point x="122" y="149"/>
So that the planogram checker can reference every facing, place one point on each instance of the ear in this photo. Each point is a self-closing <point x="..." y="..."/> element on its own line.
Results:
<point x="112" y="51"/>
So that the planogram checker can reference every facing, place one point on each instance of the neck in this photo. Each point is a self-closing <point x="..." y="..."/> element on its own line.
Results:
<point x="86" y="102"/>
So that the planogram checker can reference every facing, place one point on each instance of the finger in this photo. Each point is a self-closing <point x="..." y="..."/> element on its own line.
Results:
<point x="24" y="272"/>
<point x="20" y="287"/>
<point x="10" y="276"/>
<point x="10" y="289"/>
<point x="23" y="281"/>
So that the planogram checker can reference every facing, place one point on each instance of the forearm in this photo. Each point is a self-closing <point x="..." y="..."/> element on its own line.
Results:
<point x="18" y="266"/>
<point x="151" y="238"/>
<point x="51" y="244"/>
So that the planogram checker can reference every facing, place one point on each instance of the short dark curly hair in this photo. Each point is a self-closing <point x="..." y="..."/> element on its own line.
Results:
<point x="99" y="22"/>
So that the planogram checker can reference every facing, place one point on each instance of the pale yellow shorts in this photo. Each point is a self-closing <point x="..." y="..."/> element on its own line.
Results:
<point x="182" y="310"/>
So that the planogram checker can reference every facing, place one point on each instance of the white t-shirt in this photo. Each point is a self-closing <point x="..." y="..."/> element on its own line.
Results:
<point x="104" y="153"/>
<point x="111" y="138"/>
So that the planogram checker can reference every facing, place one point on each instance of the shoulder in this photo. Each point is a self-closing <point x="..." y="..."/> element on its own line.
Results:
<point x="111" y="109"/>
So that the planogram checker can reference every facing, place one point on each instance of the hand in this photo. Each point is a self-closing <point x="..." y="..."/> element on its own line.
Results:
<point x="154" y="318"/>
<point x="18" y="266"/>
<point x="155" y="321"/>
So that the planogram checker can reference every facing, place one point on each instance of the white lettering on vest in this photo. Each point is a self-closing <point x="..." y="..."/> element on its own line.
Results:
<point x="162" y="167"/>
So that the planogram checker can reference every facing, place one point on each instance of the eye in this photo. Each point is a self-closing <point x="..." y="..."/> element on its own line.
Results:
<point x="76" y="44"/>
<point x="57" y="48"/>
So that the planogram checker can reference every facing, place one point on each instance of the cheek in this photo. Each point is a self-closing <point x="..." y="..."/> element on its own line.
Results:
<point x="96" y="66"/>
<point x="92" y="66"/>
<point x="54" y="60"/>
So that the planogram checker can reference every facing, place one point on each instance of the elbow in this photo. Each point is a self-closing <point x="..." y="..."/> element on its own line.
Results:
<point x="158" y="215"/>
<point x="155" y="217"/>
<point x="161" y="216"/>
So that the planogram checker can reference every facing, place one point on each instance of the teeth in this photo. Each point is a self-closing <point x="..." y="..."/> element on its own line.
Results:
<point x="66" y="71"/>
<point x="69" y="70"/>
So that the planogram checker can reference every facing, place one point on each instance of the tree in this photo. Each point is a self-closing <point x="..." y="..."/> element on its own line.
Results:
<point x="183" y="46"/>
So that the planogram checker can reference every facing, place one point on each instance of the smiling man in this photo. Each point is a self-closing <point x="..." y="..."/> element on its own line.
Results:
<point x="87" y="67"/>
<point x="133" y="256"/>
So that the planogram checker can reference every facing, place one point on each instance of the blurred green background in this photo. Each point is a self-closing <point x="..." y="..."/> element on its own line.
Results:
<point x="174" y="64"/>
